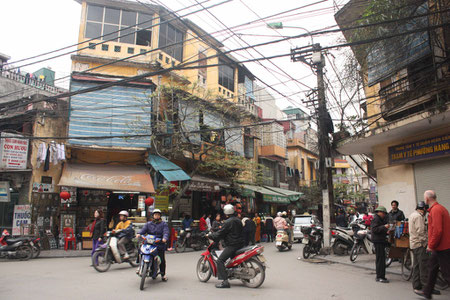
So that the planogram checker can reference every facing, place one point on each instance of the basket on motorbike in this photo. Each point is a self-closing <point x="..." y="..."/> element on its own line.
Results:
<point x="306" y="230"/>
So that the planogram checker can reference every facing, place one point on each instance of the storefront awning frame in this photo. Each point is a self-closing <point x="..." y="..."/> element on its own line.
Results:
<point x="268" y="194"/>
<point x="291" y="195"/>
<point x="168" y="169"/>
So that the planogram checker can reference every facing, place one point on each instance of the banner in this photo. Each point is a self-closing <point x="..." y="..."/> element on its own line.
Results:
<point x="423" y="149"/>
<point x="22" y="215"/>
<point x="13" y="152"/>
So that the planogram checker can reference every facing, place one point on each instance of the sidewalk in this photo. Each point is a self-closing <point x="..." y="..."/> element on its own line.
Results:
<point x="60" y="253"/>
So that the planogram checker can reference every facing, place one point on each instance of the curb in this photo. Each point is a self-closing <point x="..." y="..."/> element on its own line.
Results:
<point x="359" y="266"/>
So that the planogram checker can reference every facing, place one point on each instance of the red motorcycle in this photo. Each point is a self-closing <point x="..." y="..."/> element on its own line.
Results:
<point x="248" y="265"/>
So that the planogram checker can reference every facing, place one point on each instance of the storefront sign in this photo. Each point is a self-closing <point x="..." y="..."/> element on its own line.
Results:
<point x="162" y="203"/>
<point x="201" y="186"/>
<point x="4" y="191"/>
<point x="141" y="202"/>
<point x="22" y="215"/>
<point x="13" y="152"/>
<point x="424" y="149"/>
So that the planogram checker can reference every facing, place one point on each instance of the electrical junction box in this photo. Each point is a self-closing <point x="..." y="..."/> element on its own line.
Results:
<point x="316" y="58"/>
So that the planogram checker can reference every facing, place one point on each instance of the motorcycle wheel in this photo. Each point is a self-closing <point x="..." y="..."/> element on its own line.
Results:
<point x="258" y="267"/>
<point x="144" y="272"/>
<point x="336" y="249"/>
<point x="36" y="251"/>
<point x="204" y="270"/>
<point x="388" y="259"/>
<point x="354" y="252"/>
<point x="100" y="262"/>
<point x="132" y="260"/>
<point x="306" y="252"/>
<point x="24" y="252"/>
<point x="407" y="264"/>
<point x="180" y="247"/>
<point x="441" y="283"/>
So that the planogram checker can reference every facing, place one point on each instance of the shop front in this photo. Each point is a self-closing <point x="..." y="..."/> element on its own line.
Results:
<point x="267" y="201"/>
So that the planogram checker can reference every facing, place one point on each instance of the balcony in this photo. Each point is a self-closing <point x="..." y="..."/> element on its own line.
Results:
<point x="273" y="150"/>
<point x="295" y="143"/>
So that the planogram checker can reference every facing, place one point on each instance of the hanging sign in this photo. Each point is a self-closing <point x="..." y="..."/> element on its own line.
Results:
<point x="22" y="215"/>
<point x="13" y="152"/>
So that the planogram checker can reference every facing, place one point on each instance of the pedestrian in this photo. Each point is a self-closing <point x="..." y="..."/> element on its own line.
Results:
<point x="418" y="245"/>
<point x="380" y="229"/>
<point x="187" y="222"/>
<point x="341" y="221"/>
<point x="395" y="214"/>
<point x="248" y="231"/>
<point x="98" y="229"/>
<point x="438" y="243"/>
<point x="367" y="218"/>
<point x="208" y="222"/>
<point x="257" y="221"/>
<point x="269" y="228"/>
<point x="202" y="225"/>
<point x="217" y="223"/>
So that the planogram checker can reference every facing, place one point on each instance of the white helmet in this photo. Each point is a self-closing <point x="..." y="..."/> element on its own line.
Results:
<point x="156" y="211"/>
<point x="284" y="213"/>
<point x="124" y="212"/>
<point x="228" y="209"/>
<point x="279" y="214"/>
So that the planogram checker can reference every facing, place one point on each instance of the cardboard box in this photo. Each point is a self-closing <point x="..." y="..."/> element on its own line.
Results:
<point x="402" y="242"/>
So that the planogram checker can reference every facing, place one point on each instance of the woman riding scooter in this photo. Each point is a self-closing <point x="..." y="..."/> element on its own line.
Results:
<point x="159" y="229"/>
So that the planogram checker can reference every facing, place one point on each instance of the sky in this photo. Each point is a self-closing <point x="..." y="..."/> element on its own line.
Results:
<point x="30" y="28"/>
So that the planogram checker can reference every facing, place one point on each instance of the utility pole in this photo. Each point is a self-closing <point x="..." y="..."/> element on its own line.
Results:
<point x="324" y="126"/>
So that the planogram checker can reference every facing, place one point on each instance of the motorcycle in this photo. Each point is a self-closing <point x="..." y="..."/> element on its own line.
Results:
<point x="342" y="240"/>
<point x="149" y="260"/>
<point x="312" y="240"/>
<point x="282" y="240"/>
<point x="362" y="240"/>
<point x="108" y="253"/>
<point x="248" y="265"/>
<point x="191" y="239"/>
<point x="34" y="243"/>
<point x="15" y="247"/>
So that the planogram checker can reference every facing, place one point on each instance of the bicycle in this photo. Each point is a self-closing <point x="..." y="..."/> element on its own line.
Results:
<point x="407" y="264"/>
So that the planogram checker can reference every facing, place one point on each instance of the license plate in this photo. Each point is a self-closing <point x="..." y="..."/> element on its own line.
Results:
<point x="332" y="241"/>
<point x="305" y="241"/>
<point x="262" y="258"/>
<point x="279" y="243"/>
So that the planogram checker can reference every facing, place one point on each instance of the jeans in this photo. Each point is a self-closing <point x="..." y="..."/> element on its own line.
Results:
<point x="227" y="253"/>
<point x="419" y="268"/>
<point x="95" y="244"/>
<point x="380" y="260"/>
<point x="437" y="259"/>
<point x="121" y="245"/>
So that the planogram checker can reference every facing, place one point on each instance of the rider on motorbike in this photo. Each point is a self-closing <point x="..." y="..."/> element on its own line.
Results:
<point x="289" y="225"/>
<point x="125" y="233"/>
<point x="231" y="232"/>
<point x="159" y="229"/>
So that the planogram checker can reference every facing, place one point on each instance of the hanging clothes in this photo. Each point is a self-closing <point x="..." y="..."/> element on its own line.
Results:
<point x="53" y="153"/>
<point x="47" y="160"/>
<point x="42" y="152"/>
<point x="61" y="152"/>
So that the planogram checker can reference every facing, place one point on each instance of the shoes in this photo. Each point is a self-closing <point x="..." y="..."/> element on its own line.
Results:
<point x="164" y="278"/>
<point x="420" y="293"/>
<point x="435" y="292"/>
<point x="382" y="280"/>
<point x="223" y="285"/>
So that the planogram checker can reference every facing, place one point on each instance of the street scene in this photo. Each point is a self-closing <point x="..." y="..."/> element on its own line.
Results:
<point x="225" y="148"/>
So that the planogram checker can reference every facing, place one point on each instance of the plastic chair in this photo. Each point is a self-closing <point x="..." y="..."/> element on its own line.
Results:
<point x="69" y="237"/>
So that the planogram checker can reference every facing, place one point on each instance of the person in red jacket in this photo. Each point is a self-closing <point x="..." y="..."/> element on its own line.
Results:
<point x="438" y="242"/>
<point x="203" y="226"/>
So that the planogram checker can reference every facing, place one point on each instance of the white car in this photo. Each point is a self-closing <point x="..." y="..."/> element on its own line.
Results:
<point x="303" y="221"/>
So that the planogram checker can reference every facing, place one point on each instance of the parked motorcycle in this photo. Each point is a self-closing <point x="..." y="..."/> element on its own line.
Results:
<point x="362" y="240"/>
<point x="35" y="244"/>
<point x="248" y="265"/>
<point x="342" y="240"/>
<point x="108" y="253"/>
<point x="282" y="241"/>
<point x="189" y="238"/>
<point x="15" y="247"/>
<point x="312" y="240"/>
<point x="149" y="260"/>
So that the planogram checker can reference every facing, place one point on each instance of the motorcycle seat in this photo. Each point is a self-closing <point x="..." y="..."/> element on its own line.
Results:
<point x="245" y="249"/>
<point x="15" y="240"/>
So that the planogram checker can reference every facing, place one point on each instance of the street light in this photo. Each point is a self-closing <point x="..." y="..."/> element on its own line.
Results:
<point x="279" y="25"/>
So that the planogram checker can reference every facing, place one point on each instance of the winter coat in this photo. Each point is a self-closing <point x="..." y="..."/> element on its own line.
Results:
<point x="379" y="231"/>
<point x="99" y="229"/>
<point x="159" y="229"/>
<point x="231" y="232"/>
<point x="438" y="228"/>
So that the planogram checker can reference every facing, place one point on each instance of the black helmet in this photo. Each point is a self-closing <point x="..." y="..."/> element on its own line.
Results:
<point x="422" y="205"/>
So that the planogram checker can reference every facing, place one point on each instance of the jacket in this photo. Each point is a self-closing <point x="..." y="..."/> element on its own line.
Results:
<point x="341" y="221"/>
<point x="159" y="230"/>
<point x="438" y="228"/>
<point x="269" y="224"/>
<point x="396" y="216"/>
<point x="379" y="231"/>
<point x="279" y="223"/>
<point x="99" y="229"/>
<point x="231" y="232"/>
<point x="125" y="229"/>
<point x="417" y="230"/>
<point x="216" y="226"/>
<point x="202" y="224"/>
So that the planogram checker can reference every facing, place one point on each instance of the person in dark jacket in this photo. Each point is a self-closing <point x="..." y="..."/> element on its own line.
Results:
<point x="216" y="224"/>
<point x="98" y="229"/>
<point x="249" y="230"/>
<point x="380" y="229"/>
<point x="395" y="214"/>
<point x="160" y="230"/>
<point x="268" y="224"/>
<point x="341" y="221"/>
<point x="231" y="232"/>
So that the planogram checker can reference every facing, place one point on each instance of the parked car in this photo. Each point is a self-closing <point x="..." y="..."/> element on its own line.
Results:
<point x="303" y="221"/>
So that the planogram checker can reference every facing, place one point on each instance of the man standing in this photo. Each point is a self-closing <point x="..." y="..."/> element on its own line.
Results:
<point x="395" y="214"/>
<point x="438" y="243"/>
<point x="380" y="229"/>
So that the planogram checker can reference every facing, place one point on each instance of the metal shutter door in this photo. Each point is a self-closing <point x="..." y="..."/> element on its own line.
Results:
<point x="433" y="175"/>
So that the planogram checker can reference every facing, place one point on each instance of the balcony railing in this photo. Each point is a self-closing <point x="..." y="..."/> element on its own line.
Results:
<point x="34" y="82"/>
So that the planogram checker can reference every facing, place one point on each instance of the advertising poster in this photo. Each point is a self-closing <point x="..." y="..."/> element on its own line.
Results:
<point x="4" y="191"/>
<point x="13" y="152"/>
<point x="22" y="215"/>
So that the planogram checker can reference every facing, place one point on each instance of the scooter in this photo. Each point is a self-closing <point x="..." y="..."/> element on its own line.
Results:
<point x="342" y="240"/>
<point x="282" y="240"/>
<point x="15" y="247"/>
<point x="35" y="244"/>
<point x="149" y="260"/>
<point x="191" y="239"/>
<point x="108" y="253"/>
<point x="312" y="240"/>
<point x="362" y="240"/>
<point x="248" y="265"/>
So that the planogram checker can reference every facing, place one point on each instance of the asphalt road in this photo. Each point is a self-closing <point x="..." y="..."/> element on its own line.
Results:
<point x="73" y="278"/>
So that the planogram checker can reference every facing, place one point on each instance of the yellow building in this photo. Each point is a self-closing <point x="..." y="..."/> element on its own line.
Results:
<point x="301" y="162"/>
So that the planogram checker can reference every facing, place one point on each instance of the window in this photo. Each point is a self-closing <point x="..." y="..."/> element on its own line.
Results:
<point x="226" y="76"/>
<point x="169" y="35"/>
<point x="105" y="47"/>
<point x="167" y="60"/>
<point x="160" y="56"/>
<point x="303" y="169"/>
<point x="130" y="50"/>
<point x="116" y="48"/>
<point x="118" y="25"/>
<point x="92" y="46"/>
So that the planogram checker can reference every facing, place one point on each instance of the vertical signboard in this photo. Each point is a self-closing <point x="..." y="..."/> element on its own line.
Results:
<point x="13" y="152"/>
<point x="22" y="215"/>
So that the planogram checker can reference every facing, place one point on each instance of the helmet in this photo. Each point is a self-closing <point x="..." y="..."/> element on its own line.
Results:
<point x="124" y="213"/>
<point x="279" y="214"/>
<point x="156" y="211"/>
<point x="284" y="213"/>
<point x="228" y="209"/>
<point x="381" y="208"/>
<point x="422" y="205"/>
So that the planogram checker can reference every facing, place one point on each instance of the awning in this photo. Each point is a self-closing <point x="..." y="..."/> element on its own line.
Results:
<point x="168" y="169"/>
<point x="205" y="184"/>
<point x="107" y="177"/>
<point x="268" y="195"/>
<point x="291" y="195"/>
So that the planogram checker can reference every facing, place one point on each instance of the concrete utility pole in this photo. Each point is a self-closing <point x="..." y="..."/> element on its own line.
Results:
<point x="324" y="123"/>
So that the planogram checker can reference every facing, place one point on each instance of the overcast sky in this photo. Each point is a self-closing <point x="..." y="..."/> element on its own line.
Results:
<point x="33" y="27"/>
